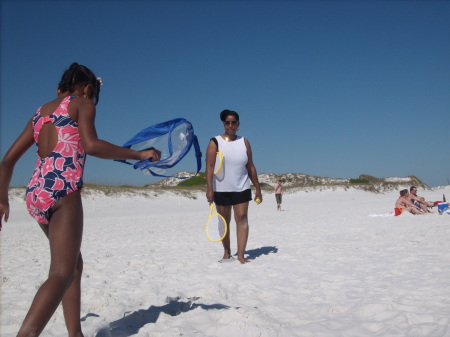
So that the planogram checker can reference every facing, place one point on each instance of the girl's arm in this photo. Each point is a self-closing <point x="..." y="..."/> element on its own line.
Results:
<point x="17" y="149"/>
<point x="99" y="148"/>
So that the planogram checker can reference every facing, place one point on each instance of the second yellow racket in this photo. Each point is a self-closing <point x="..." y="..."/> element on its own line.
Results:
<point x="216" y="227"/>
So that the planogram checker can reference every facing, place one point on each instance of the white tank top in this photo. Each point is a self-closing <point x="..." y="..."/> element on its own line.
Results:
<point x="233" y="177"/>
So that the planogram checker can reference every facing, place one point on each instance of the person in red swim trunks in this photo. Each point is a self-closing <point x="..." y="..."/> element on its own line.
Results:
<point x="403" y="204"/>
<point x="64" y="132"/>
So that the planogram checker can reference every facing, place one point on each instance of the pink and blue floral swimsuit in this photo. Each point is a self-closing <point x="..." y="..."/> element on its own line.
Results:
<point x="61" y="172"/>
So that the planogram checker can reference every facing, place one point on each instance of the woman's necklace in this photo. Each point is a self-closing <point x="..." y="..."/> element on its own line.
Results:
<point x="228" y="138"/>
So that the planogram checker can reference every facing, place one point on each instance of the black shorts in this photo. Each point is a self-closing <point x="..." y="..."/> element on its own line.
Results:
<point x="232" y="198"/>
<point x="278" y="198"/>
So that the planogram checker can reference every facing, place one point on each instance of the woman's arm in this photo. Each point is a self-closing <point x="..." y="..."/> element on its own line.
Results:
<point x="211" y="152"/>
<point x="252" y="171"/>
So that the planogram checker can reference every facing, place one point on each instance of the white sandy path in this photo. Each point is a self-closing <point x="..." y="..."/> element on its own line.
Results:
<point x="323" y="267"/>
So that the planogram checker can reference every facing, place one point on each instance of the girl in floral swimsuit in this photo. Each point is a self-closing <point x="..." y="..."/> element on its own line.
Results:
<point x="64" y="132"/>
<point x="59" y="173"/>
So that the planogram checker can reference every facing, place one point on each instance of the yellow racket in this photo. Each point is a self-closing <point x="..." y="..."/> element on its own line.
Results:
<point x="220" y="162"/>
<point x="216" y="227"/>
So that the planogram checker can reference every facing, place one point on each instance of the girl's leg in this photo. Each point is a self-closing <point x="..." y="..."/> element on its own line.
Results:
<point x="64" y="232"/>
<point x="240" y="216"/>
<point x="225" y="211"/>
<point x="71" y="303"/>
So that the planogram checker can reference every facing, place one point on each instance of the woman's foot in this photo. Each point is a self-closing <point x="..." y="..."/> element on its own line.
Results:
<point x="242" y="259"/>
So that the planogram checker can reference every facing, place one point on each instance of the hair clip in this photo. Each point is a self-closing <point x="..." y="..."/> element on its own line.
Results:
<point x="99" y="80"/>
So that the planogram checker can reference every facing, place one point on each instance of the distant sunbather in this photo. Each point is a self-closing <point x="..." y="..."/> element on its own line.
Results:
<point x="405" y="205"/>
<point x="419" y="201"/>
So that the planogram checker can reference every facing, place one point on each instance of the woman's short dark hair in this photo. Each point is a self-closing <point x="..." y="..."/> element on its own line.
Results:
<point x="80" y="75"/>
<point x="225" y="113"/>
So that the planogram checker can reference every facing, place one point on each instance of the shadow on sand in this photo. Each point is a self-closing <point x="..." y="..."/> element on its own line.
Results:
<point x="255" y="253"/>
<point x="130" y="324"/>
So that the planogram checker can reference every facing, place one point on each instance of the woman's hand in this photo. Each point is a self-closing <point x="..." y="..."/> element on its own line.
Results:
<point x="210" y="195"/>
<point x="258" y="197"/>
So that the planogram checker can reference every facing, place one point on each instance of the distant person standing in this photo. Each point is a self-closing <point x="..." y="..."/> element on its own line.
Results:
<point x="278" y="194"/>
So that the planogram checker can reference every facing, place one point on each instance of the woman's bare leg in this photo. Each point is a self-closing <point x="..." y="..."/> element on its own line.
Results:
<point x="242" y="230"/>
<point x="64" y="232"/>
<point x="225" y="211"/>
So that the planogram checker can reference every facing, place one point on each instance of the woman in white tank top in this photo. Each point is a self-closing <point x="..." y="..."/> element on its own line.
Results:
<point x="230" y="188"/>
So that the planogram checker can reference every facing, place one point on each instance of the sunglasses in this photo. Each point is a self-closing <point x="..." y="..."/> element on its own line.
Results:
<point x="230" y="122"/>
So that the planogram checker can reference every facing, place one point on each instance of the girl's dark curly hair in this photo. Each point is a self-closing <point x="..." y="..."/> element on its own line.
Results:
<point x="78" y="75"/>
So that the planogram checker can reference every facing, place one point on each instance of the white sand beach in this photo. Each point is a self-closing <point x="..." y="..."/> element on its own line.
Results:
<point x="322" y="268"/>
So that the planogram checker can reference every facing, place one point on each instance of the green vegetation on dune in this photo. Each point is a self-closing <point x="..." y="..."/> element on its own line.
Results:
<point x="359" y="181"/>
<point x="198" y="180"/>
<point x="293" y="182"/>
<point x="191" y="187"/>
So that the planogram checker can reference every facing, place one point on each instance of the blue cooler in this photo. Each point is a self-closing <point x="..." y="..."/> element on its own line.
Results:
<point x="442" y="207"/>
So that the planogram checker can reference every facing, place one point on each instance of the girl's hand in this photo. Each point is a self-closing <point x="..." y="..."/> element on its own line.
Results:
<point x="4" y="212"/>
<point x="151" y="153"/>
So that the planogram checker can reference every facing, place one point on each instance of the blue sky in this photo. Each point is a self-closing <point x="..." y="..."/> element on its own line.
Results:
<point x="325" y="88"/>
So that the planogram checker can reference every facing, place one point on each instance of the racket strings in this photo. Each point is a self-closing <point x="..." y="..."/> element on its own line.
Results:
<point x="216" y="227"/>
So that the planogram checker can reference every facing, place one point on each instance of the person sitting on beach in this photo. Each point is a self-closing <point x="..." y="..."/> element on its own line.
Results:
<point x="404" y="204"/>
<point x="419" y="201"/>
